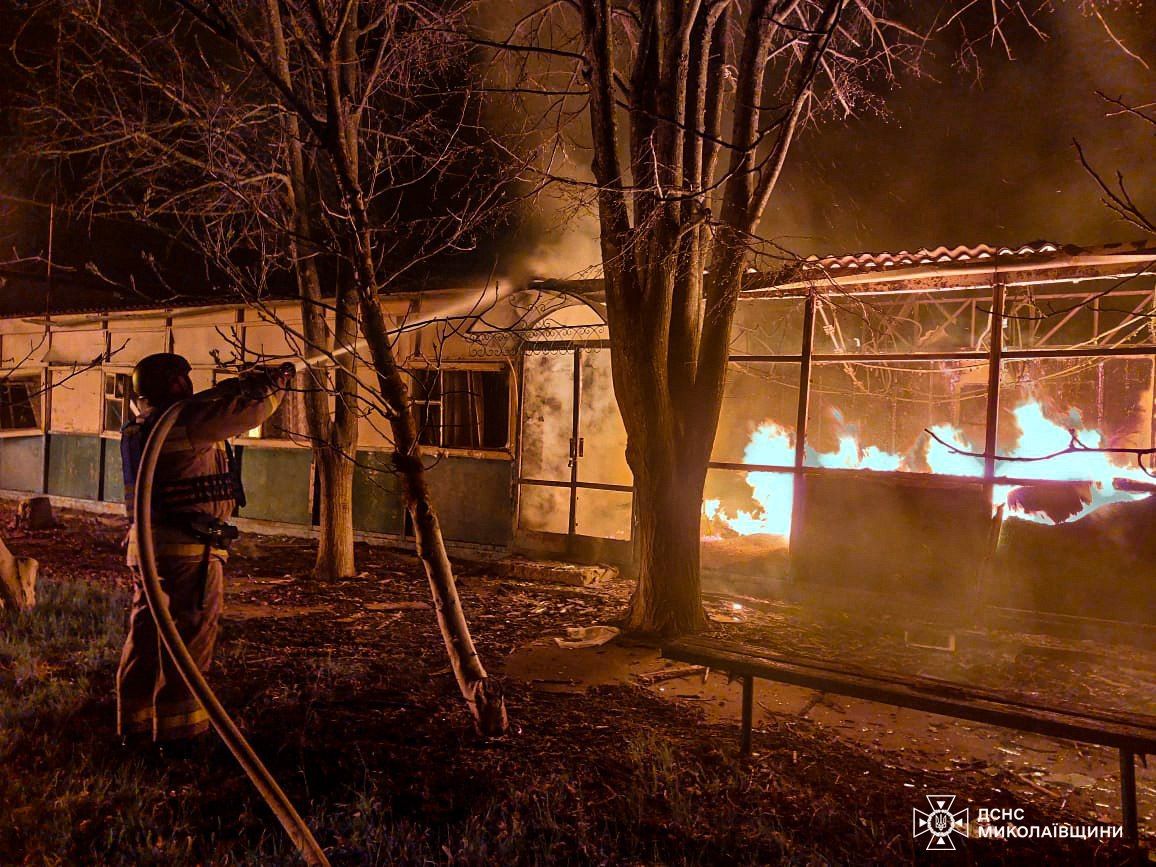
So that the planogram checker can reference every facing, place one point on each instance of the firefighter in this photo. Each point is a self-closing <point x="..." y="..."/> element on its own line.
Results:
<point x="197" y="485"/>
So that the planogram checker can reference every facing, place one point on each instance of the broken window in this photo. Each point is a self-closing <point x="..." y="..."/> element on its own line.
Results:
<point x="874" y="415"/>
<point x="20" y="403"/>
<point x="462" y="409"/>
<point x="119" y="399"/>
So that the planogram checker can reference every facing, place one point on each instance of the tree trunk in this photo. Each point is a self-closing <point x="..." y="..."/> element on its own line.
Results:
<point x="17" y="580"/>
<point x="335" y="557"/>
<point x="484" y="698"/>
<point x="667" y="600"/>
<point x="334" y="436"/>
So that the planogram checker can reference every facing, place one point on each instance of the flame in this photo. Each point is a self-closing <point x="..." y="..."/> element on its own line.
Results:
<point x="773" y="445"/>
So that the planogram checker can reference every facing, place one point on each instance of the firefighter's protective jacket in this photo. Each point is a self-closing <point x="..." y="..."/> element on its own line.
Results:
<point x="193" y="471"/>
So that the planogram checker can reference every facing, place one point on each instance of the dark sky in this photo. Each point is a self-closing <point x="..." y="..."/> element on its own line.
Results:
<point x="956" y="161"/>
<point x="952" y="160"/>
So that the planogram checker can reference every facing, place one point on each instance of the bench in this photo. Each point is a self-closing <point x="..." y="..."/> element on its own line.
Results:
<point x="1131" y="734"/>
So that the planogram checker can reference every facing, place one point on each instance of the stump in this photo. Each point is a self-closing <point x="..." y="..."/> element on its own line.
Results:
<point x="17" y="580"/>
<point x="35" y="513"/>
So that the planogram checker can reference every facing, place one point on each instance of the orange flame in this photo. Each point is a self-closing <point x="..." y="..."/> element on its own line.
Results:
<point x="773" y="445"/>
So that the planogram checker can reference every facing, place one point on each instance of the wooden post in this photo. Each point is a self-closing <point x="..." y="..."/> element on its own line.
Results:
<point x="1128" y="796"/>
<point x="748" y="714"/>
<point x="990" y="442"/>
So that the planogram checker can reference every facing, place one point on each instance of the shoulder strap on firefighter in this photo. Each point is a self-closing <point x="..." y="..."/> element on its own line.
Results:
<point x="133" y="437"/>
<point x="233" y="458"/>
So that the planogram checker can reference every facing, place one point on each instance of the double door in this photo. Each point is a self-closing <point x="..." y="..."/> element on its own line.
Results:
<point x="575" y="495"/>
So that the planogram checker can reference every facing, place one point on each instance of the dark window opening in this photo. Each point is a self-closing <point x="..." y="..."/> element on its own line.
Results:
<point x="20" y="403"/>
<point x="119" y="401"/>
<point x="462" y="409"/>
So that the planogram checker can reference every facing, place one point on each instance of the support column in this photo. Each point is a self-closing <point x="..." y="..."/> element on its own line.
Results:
<point x="575" y="450"/>
<point x="749" y="713"/>
<point x="1128" y="796"/>
<point x="994" y="359"/>
<point x="808" y="351"/>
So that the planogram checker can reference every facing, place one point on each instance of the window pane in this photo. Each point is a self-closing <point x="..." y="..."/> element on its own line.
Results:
<point x="426" y="385"/>
<point x="936" y="321"/>
<point x="461" y="411"/>
<point x="19" y="405"/>
<point x="475" y="409"/>
<point x="874" y="415"/>
<point x="547" y="415"/>
<point x="544" y="509"/>
<point x="768" y="326"/>
<point x="603" y="514"/>
<point x="288" y="420"/>
<point x="428" y="423"/>
<point x="758" y="416"/>
<point x="496" y="399"/>
<point x="113" y="415"/>
<point x="603" y="455"/>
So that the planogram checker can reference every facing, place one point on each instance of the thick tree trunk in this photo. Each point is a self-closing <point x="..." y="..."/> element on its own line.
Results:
<point x="667" y="600"/>
<point x="335" y="557"/>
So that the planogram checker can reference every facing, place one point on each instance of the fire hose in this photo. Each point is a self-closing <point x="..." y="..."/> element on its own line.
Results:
<point x="277" y="800"/>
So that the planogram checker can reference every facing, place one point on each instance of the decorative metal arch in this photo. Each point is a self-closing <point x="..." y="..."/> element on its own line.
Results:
<point x="535" y="323"/>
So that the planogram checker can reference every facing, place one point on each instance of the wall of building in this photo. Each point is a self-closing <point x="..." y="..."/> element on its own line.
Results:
<point x="72" y="455"/>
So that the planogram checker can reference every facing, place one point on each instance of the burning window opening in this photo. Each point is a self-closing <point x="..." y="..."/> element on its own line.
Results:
<point x="1097" y="478"/>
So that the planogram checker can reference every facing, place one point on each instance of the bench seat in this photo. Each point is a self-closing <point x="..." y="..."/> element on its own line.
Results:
<point x="1131" y="734"/>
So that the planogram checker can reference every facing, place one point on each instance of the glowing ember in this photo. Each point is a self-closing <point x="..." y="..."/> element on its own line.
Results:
<point x="773" y="445"/>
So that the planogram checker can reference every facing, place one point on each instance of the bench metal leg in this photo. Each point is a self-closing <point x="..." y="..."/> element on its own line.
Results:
<point x="1128" y="796"/>
<point x="748" y="715"/>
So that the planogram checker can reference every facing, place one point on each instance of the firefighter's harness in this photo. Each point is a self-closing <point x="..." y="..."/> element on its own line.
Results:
<point x="171" y="501"/>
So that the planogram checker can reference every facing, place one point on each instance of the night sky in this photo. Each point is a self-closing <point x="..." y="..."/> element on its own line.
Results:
<point x="958" y="159"/>
<point x="965" y="162"/>
<point x="953" y="159"/>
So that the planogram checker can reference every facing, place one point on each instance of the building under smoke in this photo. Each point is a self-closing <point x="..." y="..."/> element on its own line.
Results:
<point x="876" y="414"/>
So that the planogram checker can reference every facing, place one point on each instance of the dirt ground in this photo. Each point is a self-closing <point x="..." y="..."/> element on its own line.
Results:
<point x="614" y="755"/>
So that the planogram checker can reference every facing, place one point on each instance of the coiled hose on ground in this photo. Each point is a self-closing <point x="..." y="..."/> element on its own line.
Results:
<point x="290" y="820"/>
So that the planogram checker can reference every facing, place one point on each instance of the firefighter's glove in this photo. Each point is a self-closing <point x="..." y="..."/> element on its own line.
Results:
<point x="285" y="374"/>
<point x="280" y="376"/>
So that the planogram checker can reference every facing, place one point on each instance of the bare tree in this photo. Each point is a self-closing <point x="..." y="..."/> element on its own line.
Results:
<point x="692" y="109"/>
<point x="331" y="142"/>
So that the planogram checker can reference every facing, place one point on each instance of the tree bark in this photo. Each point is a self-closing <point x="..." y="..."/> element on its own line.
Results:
<point x="667" y="600"/>
<point x="485" y="699"/>
<point x="334" y="437"/>
<point x="17" y="580"/>
<point x="335" y="558"/>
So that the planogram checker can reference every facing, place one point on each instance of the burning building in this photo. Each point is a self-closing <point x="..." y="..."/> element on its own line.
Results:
<point x="884" y="415"/>
<point x="878" y="416"/>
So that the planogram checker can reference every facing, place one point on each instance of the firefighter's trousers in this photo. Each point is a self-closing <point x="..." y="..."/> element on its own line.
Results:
<point x="152" y="698"/>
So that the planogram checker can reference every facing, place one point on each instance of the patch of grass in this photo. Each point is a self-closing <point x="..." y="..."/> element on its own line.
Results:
<point x="71" y="617"/>
<point x="49" y="654"/>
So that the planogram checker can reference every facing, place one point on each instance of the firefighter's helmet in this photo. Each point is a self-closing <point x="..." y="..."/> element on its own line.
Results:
<point x="154" y="376"/>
